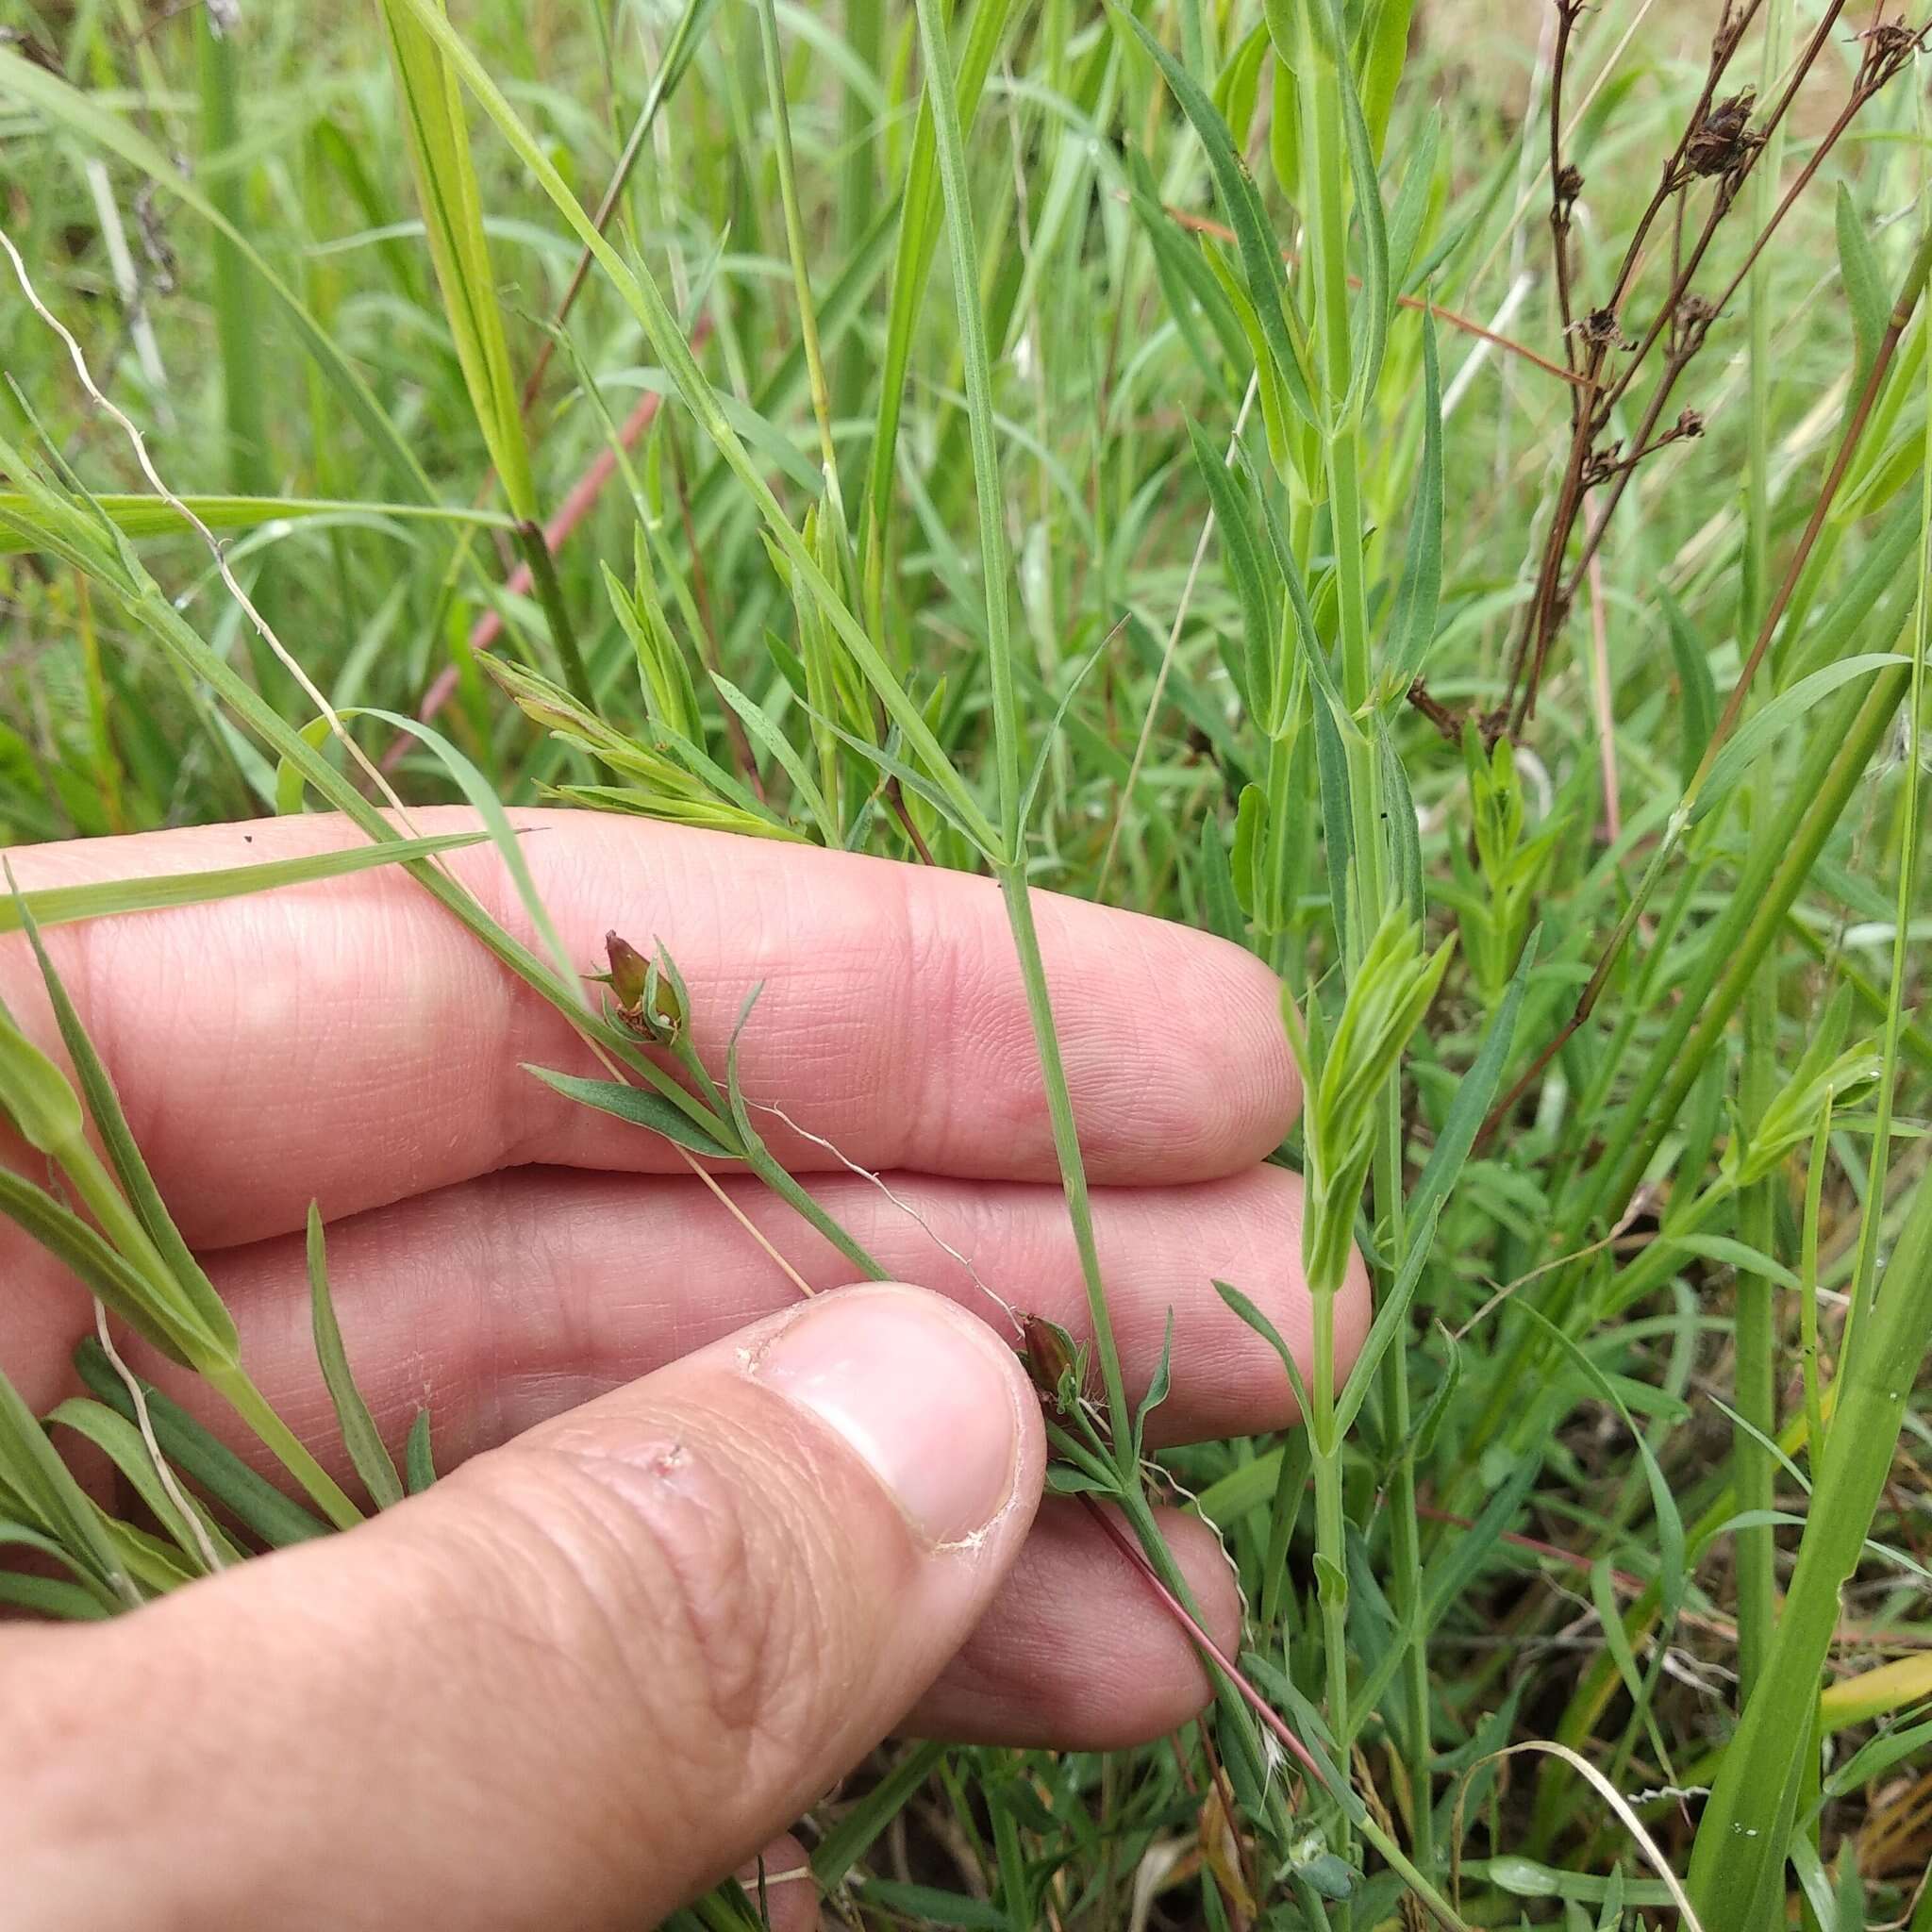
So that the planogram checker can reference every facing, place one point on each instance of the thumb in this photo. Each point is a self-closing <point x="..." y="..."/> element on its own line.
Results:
<point x="583" y="1677"/>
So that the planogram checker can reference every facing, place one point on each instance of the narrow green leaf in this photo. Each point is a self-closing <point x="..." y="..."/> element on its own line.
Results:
<point x="857" y="1826"/>
<point x="1404" y="834"/>
<point x="44" y="1484"/>
<point x="1419" y="591"/>
<point x="1370" y="337"/>
<point x="1476" y="1092"/>
<point x="1384" y="53"/>
<point x="1221" y="910"/>
<point x="640" y="1106"/>
<point x="419" y="1463"/>
<point x="1278" y="716"/>
<point x="193" y="1452"/>
<point x="1754" y="737"/>
<point x="361" y="1437"/>
<point x="1696" y="687"/>
<point x="66" y="905"/>
<point x="123" y="1444"/>
<point x="1261" y="253"/>
<point x="34" y="1093"/>
<point x="198" y="1306"/>
<point x="1338" y="816"/>
<point x="1234" y="526"/>
<point x="142" y="516"/>
<point x="432" y="117"/>
<point x="1392" y="1316"/>
<point x="768" y="735"/>
<point x="70" y="1241"/>
<point x="49" y="1596"/>
<point x="1269" y="1333"/>
<point x="918" y="242"/>
<point x="1867" y="293"/>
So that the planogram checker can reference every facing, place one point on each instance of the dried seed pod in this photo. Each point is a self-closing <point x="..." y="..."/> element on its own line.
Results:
<point x="1600" y="330"/>
<point x="1724" y="140"/>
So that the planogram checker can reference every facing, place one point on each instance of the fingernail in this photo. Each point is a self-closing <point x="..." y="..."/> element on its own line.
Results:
<point x="922" y="1392"/>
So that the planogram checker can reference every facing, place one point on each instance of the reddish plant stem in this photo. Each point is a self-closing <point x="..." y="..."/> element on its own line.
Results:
<point x="1677" y="365"/>
<point x="1902" y="309"/>
<point x="1725" y="198"/>
<point x="1563" y="187"/>
<point x="1554" y="593"/>
<point x="1277" y="1725"/>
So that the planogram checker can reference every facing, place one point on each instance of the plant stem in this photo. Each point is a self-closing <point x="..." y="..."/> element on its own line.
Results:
<point x="1807" y="1288"/>
<point x="794" y="242"/>
<point x="1331" y="1545"/>
<point x="1734" y="945"/>
<point x="1737" y="1867"/>
<point x="543" y="576"/>
<point x="1066" y="1143"/>
<point x="1905" y="906"/>
<point x="253" y="1407"/>
<point x="1754" y="1391"/>
<point x="234" y="285"/>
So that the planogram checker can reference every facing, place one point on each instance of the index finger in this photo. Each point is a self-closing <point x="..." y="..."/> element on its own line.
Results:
<point x="350" y="1043"/>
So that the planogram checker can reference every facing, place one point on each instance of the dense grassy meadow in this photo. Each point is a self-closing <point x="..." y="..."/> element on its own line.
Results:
<point x="1436" y="494"/>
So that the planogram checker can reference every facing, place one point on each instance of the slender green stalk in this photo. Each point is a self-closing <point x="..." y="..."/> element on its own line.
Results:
<point x="563" y="635"/>
<point x="1754" y="1391"/>
<point x="1318" y="57"/>
<point x="236" y="326"/>
<point x="941" y="94"/>
<point x="1737" y="1867"/>
<point x="1905" y="904"/>
<point x="1331" y="1537"/>
<point x="1066" y="1140"/>
<point x="248" y="1402"/>
<point x="796" y="245"/>
<point x="1808" y="1288"/>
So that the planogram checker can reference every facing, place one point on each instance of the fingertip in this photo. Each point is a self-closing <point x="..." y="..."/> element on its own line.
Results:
<point x="934" y="1403"/>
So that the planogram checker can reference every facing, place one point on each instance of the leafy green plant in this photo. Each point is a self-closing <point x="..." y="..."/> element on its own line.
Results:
<point x="1252" y="462"/>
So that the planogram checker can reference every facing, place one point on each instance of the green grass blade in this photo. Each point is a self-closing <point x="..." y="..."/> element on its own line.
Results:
<point x="453" y="223"/>
<point x="419" y="1463"/>
<point x="202" y="1458"/>
<point x="35" y="1475"/>
<point x="67" y="904"/>
<point x="123" y="1444"/>
<point x="361" y="1437"/>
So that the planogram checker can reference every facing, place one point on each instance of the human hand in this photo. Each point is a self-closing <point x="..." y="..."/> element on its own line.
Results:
<point x="714" y="1542"/>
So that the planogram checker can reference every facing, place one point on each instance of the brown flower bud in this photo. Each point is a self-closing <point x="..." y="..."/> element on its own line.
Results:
<point x="629" y="970"/>
<point x="1053" y="1363"/>
<point x="647" y="1002"/>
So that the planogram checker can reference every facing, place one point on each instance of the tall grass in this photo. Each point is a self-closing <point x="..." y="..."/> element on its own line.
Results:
<point x="1087" y="458"/>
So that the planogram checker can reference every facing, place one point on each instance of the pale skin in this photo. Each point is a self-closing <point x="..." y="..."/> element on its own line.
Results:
<point x="699" y="1544"/>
